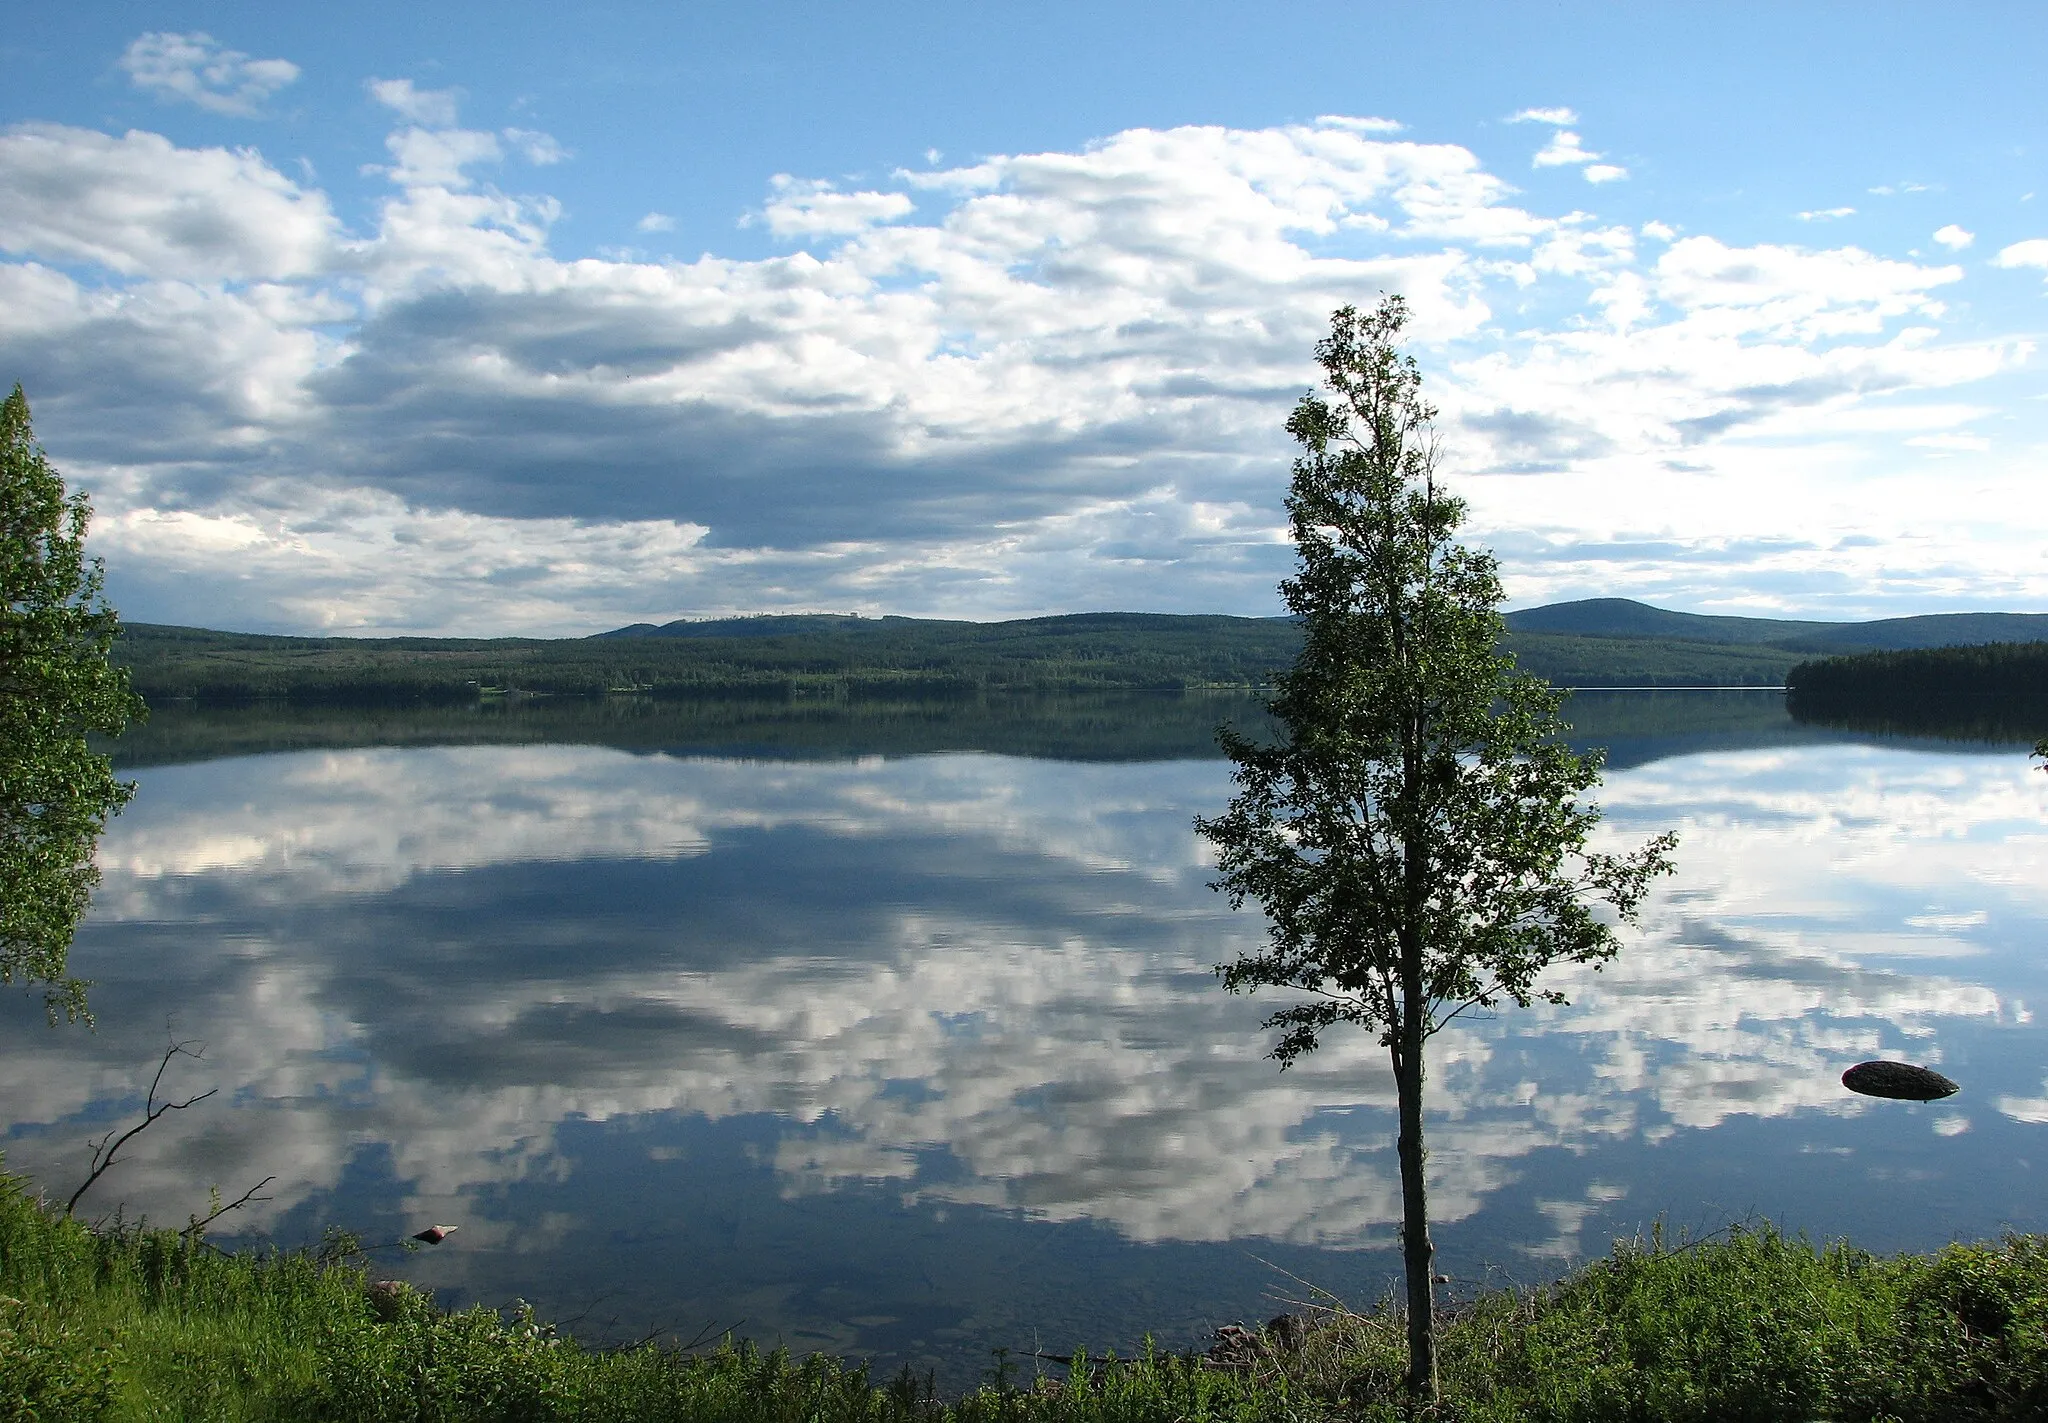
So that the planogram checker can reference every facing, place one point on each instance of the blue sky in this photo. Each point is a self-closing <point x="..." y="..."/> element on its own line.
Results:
<point x="516" y="318"/>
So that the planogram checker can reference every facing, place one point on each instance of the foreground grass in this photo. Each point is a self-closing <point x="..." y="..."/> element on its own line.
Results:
<point x="140" y="1324"/>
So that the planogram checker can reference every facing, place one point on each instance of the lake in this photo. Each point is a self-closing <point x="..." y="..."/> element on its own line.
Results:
<point x="893" y="1031"/>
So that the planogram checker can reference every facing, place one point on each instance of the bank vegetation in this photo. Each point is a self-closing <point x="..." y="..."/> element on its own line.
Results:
<point x="134" y="1322"/>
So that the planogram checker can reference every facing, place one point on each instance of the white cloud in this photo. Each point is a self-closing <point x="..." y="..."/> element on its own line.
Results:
<point x="1562" y="118"/>
<point x="815" y="209"/>
<point x="1784" y="286"/>
<point x="1045" y="381"/>
<point x="539" y="149"/>
<point x="1825" y="214"/>
<point x="195" y="69"/>
<point x="142" y="207"/>
<point x="1954" y="238"/>
<point x="1562" y="149"/>
<point x="1361" y="125"/>
<point x="436" y="157"/>
<point x="2031" y="253"/>
<point x="655" y="222"/>
<point x="1565" y="149"/>
<point x="433" y="107"/>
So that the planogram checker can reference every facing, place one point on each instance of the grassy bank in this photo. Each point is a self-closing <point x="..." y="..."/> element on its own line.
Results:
<point x="141" y="1324"/>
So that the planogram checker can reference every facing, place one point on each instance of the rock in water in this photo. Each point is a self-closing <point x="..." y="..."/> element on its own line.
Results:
<point x="1901" y="1081"/>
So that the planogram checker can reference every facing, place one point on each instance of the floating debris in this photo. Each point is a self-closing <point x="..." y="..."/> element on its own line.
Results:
<point x="1900" y="1081"/>
<point x="435" y="1234"/>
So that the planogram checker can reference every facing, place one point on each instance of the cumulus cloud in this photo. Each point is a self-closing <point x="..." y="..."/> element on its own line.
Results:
<point x="140" y="206"/>
<point x="435" y="158"/>
<point x="1563" y="148"/>
<point x="1560" y="117"/>
<point x="433" y="107"/>
<point x="816" y="209"/>
<point x="655" y="222"/>
<point x="1954" y="238"/>
<point x="2031" y="253"/>
<point x="195" y="69"/>
<point x="1825" y="214"/>
<point x="540" y="149"/>
<point x="1005" y="387"/>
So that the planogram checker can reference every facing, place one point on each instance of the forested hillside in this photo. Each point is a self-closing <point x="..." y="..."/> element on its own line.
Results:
<point x="1995" y="691"/>
<point x="1609" y="642"/>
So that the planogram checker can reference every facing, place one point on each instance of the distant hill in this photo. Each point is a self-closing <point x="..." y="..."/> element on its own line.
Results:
<point x="1059" y="625"/>
<point x="1931" y="630"/>
<point x="1620" y="642"/>
<point x="1599" y="642"/>
<point x="1626" y="618"/>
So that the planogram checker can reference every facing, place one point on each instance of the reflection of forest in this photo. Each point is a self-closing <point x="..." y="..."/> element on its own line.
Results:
<point x="1932" y="727"/>
<point x="1997" y="692"/>
<point x="1636" y="727"/>
<point x="1105" y="726"/>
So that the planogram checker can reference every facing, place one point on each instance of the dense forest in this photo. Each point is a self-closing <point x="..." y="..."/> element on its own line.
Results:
<point x="1605" y="642"/>
<point x="1087" y="726"/>
<point x="767" y="658"/>
<point x="1995" y="691"/>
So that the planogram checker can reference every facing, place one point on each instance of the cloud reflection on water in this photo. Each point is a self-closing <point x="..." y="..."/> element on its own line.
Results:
<point x="972" y="981"/>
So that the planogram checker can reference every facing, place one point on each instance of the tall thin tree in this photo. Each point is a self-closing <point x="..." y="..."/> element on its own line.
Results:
<point x="1417" y="833"/>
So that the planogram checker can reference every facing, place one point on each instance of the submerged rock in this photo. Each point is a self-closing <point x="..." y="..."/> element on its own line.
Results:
<point x="1900" y="1081"/>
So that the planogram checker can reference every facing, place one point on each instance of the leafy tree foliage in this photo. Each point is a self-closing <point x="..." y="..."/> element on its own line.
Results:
<point x="1416" y="834"/>
<point x="56" y="685"/>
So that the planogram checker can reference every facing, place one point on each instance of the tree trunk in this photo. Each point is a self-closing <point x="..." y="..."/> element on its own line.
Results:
<point x="1418" y="1251"/>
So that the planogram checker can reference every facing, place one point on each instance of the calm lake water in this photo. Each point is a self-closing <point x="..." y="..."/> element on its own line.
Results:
<point x="895" y="1033"/>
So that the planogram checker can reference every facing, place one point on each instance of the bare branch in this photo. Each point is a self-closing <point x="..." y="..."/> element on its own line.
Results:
<point x="109" y="1146"/>
<point x="199" y="1223"/>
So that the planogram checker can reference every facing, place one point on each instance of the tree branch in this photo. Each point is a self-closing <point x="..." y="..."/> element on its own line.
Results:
<point x="199" y="1223"/>
<point x="109" y="1147"/>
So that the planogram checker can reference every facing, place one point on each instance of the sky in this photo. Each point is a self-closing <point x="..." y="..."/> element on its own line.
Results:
<point x="480" y="320"/>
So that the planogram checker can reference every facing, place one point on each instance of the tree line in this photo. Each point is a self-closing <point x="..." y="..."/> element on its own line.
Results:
<point x="1994" y="691"/>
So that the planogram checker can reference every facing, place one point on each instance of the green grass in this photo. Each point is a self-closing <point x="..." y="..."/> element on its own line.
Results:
<point x="137" y="1323"/>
